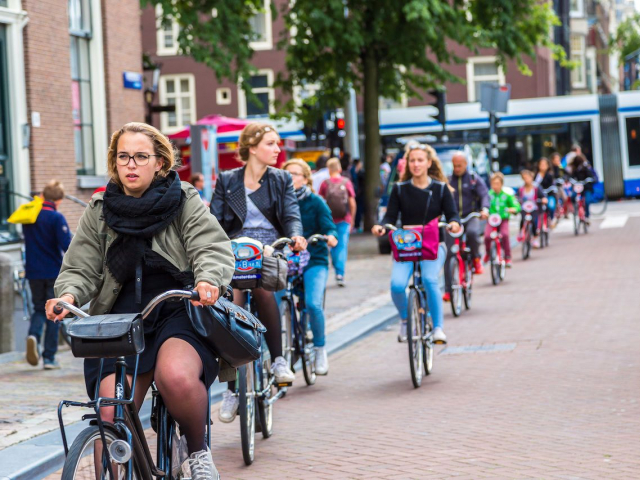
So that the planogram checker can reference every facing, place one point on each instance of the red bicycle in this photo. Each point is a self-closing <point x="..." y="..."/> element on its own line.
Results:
<point x="498" y="263"/>
<point x="580" y="206"/>
<point x="461" y="269"/>
<point x="526" y="233"/>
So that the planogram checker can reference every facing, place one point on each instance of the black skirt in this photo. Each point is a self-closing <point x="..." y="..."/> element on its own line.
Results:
<point x="168" y="320"/>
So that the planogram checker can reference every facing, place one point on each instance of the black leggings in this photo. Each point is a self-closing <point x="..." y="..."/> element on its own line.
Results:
<point x="269" y="315"/>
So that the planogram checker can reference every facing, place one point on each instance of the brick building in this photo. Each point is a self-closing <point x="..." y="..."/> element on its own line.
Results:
<point x="63" y="65"/>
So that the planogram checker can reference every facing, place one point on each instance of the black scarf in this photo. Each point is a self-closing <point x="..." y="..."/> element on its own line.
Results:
<point x="136" y="221"/>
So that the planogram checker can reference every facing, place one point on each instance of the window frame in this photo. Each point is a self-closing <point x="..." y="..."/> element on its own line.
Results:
<point x="219" y="99"/>
<point x="472" y="78"/>
<point x="161" y="50"/>
<point x="164" y="116"/>
<point x="582" y="54"/>
<point x="267" y="43"/>
<point x="242" y="97"/>
<point x="579" y="12"/>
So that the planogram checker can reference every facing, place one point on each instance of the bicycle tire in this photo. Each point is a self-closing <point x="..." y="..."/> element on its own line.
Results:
<point x="308" y="353"/>
<point x="576" y="222"/>
<point x="286" y="322"/>
<point x="246" y="409"/>
<point x="468" y="289"/>
<point x="414" y="337"/>
<point x="264" y="410"/>
<point x="526" y="244"/>
<point x="585" y="227"/>
<point x="495" y="265"/>
<point x="79" y="463"/>
<point x="427" y="344"/>
<point x="456" y="287"/>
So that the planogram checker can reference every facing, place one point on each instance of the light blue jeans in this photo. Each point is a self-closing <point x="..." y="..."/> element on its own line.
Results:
<point x="315" y="284"/>
<point x="339" y="252"/>
<point x="400" y="276"/>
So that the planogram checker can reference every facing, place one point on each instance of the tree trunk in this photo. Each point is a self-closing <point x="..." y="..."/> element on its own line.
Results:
<point x="372" y="140"/>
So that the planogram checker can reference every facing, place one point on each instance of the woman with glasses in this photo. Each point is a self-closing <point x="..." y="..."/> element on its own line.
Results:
<point x="423" y="194"/>
<point x="148" y="233"/>
<point x="316" y="218"/>
<point x="258" y="201"/>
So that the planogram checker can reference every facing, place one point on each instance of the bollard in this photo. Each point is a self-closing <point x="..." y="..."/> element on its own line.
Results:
<point x="7" y="343"/>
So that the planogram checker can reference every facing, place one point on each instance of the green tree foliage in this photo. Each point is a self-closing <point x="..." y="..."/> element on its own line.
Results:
<point x="627" y="37"/>
<point x="393" y="47"/>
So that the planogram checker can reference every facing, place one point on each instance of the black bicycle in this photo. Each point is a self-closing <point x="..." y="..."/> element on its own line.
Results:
<point x="297" y="338"/>
<point x="119" y="450"/>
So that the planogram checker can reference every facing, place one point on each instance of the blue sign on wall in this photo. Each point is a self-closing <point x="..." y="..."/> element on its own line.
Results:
<point x="132" y="80"/>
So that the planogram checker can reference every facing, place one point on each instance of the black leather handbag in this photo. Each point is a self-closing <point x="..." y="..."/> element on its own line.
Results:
<point x="234" y="334"/>
<point x="107" y="336"/>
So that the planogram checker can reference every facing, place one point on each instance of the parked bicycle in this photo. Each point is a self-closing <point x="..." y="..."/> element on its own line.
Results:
<point x="297" y="338"/>
<point x="419" y="321"/>
<point x="461" y="269"/>
<point x="120" y="450"/>
<point x="496" y="256"/>
<point x="580" y="205"/>
<point x="256" y="387"/>
<point x="526" y="232"/>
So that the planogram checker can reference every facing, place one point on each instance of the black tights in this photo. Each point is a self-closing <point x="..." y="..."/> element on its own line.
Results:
<point x="269" y="316"/>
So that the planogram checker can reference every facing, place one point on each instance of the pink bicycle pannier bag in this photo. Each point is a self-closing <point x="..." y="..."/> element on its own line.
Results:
<point x="415" y="243"/>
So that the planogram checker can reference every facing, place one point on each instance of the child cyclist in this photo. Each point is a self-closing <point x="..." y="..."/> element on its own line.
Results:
<point x="423" y="178"/>
<point x="503" y="204"/>
<point x="530" y="192"/>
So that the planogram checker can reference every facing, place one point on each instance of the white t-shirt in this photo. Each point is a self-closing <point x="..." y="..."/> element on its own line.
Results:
<point x="318" y="177"/>
<point x="255" y="218"/>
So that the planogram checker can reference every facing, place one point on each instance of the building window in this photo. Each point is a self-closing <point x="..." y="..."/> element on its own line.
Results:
<point x="482" y="70"/>
<point x="633" y="141"/>
<point x="576" y="8"/>
<point x="578" y="74"/>
<point x="81" y="34"/>
<point x="261" y="26"/>
<point x="178" y="90"/>
<point x="262" y="88"/>
<point x="166" y="35"/>
<point x="223" y="96"/>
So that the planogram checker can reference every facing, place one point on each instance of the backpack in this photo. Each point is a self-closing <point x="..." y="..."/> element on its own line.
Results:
<point x="337" y="197"/>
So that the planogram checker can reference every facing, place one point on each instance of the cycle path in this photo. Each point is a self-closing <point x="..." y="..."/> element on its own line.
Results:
<point x="540" y="380"/>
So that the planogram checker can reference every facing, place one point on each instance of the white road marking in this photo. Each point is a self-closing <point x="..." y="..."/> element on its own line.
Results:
<point x="614" y="221"/>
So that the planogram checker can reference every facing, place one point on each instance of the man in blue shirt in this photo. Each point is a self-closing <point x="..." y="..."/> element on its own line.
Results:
<point x="46" y="240"/>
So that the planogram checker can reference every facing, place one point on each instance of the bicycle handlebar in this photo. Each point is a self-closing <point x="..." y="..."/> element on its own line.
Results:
<point x="469" y="217"/>
<point x="313" y="239"/>
<point x="282" y="242"/>
<point x="583" y="182"/>
<point x="457" y="235"/>
<point x="552" y="188"/>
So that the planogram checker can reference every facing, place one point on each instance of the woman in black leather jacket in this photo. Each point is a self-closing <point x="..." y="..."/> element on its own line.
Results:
<point x="259" y="202"/>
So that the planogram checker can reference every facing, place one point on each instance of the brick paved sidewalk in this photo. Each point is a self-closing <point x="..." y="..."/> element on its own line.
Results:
<point x="29" y="396"/>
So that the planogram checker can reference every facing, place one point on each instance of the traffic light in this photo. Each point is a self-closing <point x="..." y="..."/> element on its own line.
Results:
<point x="340" y="124"/>
<point x="440" y="103"/>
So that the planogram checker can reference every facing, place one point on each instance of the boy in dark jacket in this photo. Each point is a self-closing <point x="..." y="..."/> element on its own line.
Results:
<point x="45" y="243"/>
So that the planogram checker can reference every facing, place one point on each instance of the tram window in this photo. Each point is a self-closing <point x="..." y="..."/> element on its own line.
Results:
<point x="633" y="141"/>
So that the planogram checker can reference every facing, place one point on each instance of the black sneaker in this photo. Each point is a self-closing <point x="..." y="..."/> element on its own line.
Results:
<point x="340" y="280"/>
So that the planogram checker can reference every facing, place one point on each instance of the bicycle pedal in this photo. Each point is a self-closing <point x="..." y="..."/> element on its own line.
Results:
<point x="282" y="385"/>
<point x="439" y="342"/>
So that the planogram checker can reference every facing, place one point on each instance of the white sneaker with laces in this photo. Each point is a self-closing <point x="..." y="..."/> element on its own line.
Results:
<point x="322" y="362"/>
<point x="229" y="408"/>
<point x="402" y="336"/>
<point x="280" y="368"/>
<point x="438" y="335"/>
<point x="202" y="467"/>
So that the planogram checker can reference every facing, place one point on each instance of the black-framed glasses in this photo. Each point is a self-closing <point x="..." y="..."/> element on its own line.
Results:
<point x="140" y="159"/>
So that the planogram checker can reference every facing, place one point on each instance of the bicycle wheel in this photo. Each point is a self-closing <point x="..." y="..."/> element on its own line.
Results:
<point x="495" y="264"/>
<point x="526" y="244"/>
<point x="286" y="324"/>
<point x="414" y="337"/>
<point x="427" y="344"/>
<point x="308" y="352"/>
<point x="246" y="409"/>
<point x="585" y="226"/>
<point x="85" y="461"/>
<point x="456" y="287"/>
<point x="576" y="222"/>
<point x="468" y="289"/>
<point x="264" y="408"/>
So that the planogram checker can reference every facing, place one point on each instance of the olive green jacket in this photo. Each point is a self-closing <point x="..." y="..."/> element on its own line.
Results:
<point x="193" y="242"/>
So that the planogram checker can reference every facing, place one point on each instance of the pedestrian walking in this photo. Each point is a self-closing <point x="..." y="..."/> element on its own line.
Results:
<point x="45" y="241"/>
<point x="357" y="178"/>
<point x="197" y="180"/>
<point x="321" y="173"/>
<point x="341" y="198"/>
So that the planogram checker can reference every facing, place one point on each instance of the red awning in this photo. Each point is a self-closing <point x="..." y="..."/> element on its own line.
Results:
<point x="224" y="124"/>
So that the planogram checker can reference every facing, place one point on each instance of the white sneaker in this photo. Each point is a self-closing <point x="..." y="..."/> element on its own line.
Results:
<point x="438" y="336"/>
<point x="280" y="368"/>
<point x="229" y="408"/>
<point x="202" y="467"/>
<point x="33" y="355"/>
<point x="322" y="362"/>
<point x="402" y="336"/>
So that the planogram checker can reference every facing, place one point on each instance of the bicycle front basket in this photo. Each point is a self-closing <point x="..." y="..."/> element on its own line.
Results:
<point x="107" y="336"/>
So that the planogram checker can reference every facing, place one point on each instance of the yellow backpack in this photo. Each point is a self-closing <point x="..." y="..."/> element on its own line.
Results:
<point x="27" y="212"/>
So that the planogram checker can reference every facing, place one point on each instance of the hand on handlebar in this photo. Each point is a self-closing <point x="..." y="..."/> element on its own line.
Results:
<point x="484" y="214"/>
<point x="55" y="313"/>
<point x="378" y="230"/>
<point x="512" y="210"/>
<point x="453" y="227"/>
<point x="332" y="241"/>
<point x="208" y="294"/>
<point x="545" y="200"/>
<point x="301" y="243"/>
